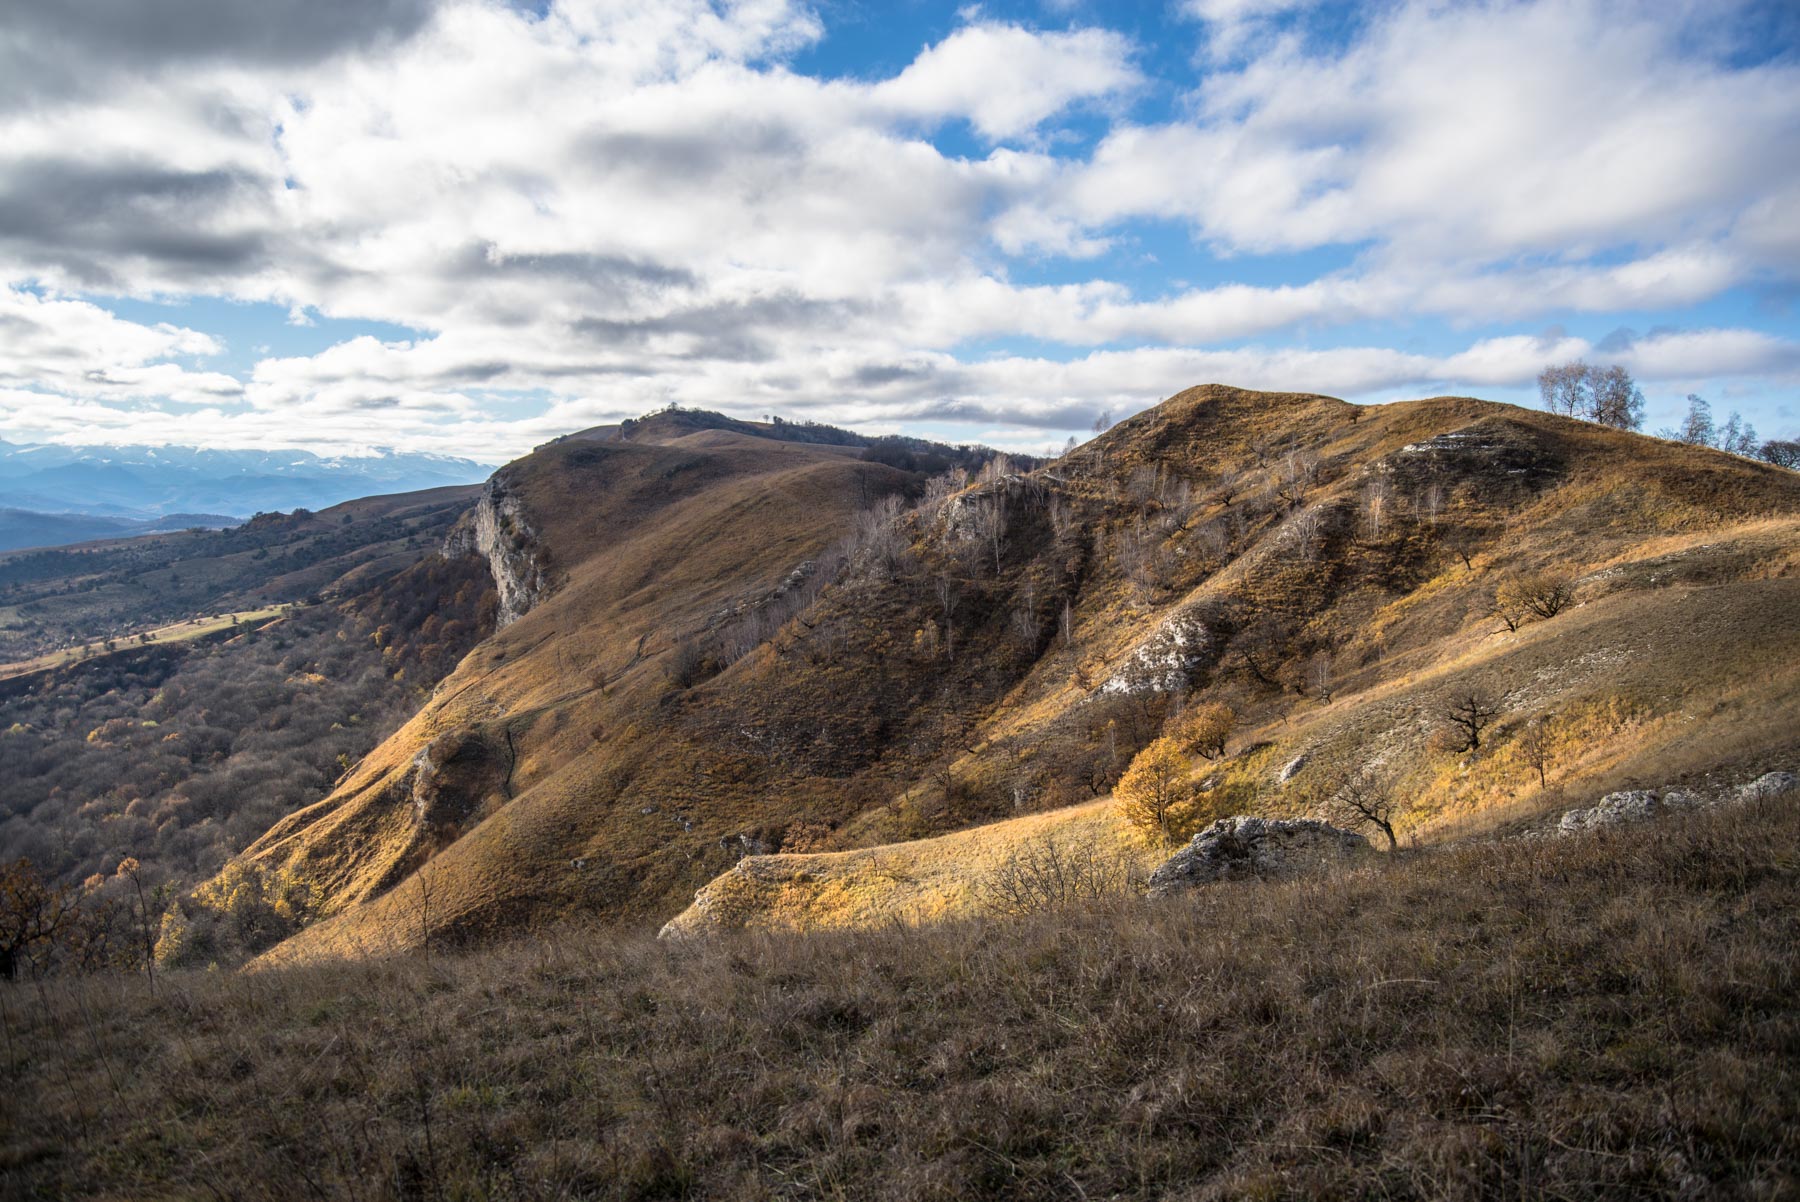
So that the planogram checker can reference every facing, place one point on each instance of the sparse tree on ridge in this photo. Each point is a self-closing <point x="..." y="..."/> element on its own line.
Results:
<point x="1698" y="429"/>
<point x="1782" y="452"/>
<point x="1606" y="395"/>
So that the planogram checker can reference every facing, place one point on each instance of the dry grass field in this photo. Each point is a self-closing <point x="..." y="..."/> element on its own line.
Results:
<point x="1606" y="1016"/>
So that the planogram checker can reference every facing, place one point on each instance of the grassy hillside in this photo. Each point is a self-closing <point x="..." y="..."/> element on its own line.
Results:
<point x="1609" y="1016"/>
<point x="708" y="678"/>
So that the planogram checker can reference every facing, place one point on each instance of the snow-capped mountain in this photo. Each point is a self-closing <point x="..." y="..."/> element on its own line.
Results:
<point x="152" y="482"/>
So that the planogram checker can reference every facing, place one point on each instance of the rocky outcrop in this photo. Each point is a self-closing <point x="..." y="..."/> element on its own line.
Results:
<point x="1630" y="805"/>
<point x="1242" y="846"/>
<point x="1641" y="805"/>
<point x="458" y="773"/>
<point x="498" y="531"/>
<point x="1767" y="787"/>
<point x="1168" y="660"/>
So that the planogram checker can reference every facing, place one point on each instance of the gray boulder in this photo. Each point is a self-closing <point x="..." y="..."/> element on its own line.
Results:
<point x="1631" y="805"/>
<point x="1767" y="787"/>
<point x="1682" y="799"/>
<point x="1291" y="769"/>
<point x="1242" y="846"/>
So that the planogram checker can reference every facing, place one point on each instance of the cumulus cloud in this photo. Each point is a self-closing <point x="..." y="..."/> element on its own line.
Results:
<point x="1007" y="80"/>
<point x="605" y="205"/>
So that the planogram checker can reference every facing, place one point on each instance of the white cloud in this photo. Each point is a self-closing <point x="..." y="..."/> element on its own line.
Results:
<point x="1007" y="80"/>
<point x="80" y="349"/>
<point x="1464" y="132"/>
<point x="619" y="205"/>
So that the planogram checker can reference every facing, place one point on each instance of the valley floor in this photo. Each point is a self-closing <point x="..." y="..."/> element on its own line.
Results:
<point x="1613" y="1015"/>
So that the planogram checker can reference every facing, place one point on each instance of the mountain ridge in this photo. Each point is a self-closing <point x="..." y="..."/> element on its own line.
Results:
<point x="1007" y="644"/>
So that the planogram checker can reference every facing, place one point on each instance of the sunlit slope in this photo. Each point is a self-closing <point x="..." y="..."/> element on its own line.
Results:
<point x="643" y="542"/>
<point x="1225" y="546"/>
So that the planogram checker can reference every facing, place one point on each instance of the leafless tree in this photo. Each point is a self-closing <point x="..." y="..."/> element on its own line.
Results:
<point x="1298" y="473"/>
<point x="1536" y="746"/>
<point x="1599" y="394"/>
<point x="1362" y="798"/>
<point x="949" y="597"/>
<point x="1308" y="528"/>
<point x="1027" y="625"/>
<point x="1521" y="597"/>
<point x="1318" y="675"/>
<point x="1469" y="713"/>
<point x="1227" y="485"/>
<point x="1376" y="497"/>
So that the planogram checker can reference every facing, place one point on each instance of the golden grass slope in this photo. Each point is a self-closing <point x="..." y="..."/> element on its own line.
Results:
<point x="586" y="782"/>
<point x="924" y="880"/>
<point x="649" y="541"/>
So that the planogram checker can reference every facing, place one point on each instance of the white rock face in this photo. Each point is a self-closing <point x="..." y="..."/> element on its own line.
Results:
<point x="1166" y="661"/>
<point x="500" y="533"/>
<point x="1242" y="846"/>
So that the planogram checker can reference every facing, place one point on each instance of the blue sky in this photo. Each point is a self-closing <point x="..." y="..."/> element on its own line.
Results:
<point x="457" y="226"/>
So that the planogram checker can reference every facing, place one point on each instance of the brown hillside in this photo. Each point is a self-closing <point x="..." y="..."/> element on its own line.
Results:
<point x="681" y="697"/>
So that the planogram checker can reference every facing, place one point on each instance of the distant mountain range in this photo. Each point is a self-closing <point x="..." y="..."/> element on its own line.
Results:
<point x="25" y="528"/>
<point x="44" y="487"/>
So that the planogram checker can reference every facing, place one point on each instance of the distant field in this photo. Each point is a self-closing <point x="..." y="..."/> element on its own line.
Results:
<point x="174" y="632"/>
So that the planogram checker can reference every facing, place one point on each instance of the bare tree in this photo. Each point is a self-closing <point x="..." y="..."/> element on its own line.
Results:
<point x="1599" y="394"/>
<point x="1376" y="498"/>
<point x="1363" y="799"/>
<point x="1782" y="452"/>
<point x="1227" y="485"/>
<point x="1536" y="746"/>
<point x="1469" y="713"/>
<point x="1308" y="527"/>
<point x="1697" y="428"/>
<point x="949" y="596"/>
<point x="1522" y="597"/>
<point x="1027" y="625"/>
<point x="1318" y="675"/>
<point x="1298" y="473"/>
<point x="1564" y="388"/>
<point x="1617" y="401"/>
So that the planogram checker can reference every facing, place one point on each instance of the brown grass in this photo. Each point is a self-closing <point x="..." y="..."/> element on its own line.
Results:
<point x="856" y="724"/>
<point x="1603" y="1017"/>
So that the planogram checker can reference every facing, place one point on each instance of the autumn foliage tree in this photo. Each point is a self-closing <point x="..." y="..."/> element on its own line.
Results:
<point x="33" y="912"/>
<point x="1153" y="789"/>
<point x="1206" y="728"/>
